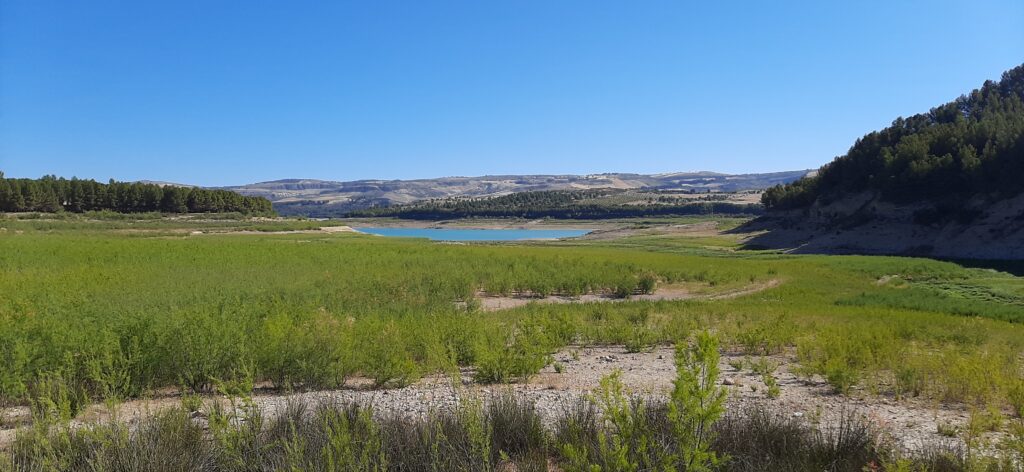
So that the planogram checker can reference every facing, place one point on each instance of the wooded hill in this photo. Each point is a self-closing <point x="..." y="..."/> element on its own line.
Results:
<point x="52" y="194"/>
<point x="972" y="147"/>
<point x="948" y="183"/>
<point x="569" y="204"/>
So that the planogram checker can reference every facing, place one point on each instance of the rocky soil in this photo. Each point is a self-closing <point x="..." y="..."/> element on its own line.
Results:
<point x="864" y="224"/>
<point x="495" y="303"/>
<point x="911" y="423"/>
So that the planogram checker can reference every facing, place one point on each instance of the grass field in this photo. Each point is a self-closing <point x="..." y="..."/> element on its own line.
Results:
<point x="114" y="309"/>
<point x="117" y="312"/>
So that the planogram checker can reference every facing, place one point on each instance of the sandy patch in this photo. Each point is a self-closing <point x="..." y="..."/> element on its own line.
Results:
<point x="338" y="229"/>
<point x="323" y="229"/>
<point x="496" y="303"/>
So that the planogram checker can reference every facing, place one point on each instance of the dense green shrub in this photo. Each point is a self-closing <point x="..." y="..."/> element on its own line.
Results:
<point x="515" y="355"/>
<point x="385" y="353"/>
<point x="314" y="351"/>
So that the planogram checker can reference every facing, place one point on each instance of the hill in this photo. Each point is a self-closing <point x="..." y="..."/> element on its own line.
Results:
<point x="330" y="198"/>
<point x="946" y="183"/>
<point x="591" y="204"/>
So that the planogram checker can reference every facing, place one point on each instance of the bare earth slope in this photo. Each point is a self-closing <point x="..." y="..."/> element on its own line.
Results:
<point x="863" y="224"/>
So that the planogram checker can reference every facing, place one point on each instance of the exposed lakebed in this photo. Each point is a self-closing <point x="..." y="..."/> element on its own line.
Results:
<point x="469" y="234"/>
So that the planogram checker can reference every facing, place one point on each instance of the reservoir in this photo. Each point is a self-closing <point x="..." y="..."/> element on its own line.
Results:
<point x="446" y="234"/>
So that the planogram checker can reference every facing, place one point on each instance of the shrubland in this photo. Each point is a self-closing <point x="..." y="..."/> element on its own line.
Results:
<point x="612" y="430"/>
<point x="115" y="312"/>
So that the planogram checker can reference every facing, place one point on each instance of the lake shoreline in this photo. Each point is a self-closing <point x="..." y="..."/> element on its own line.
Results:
<point x="475" y="234"/>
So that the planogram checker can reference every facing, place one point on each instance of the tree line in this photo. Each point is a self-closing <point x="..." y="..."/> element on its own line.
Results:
<point x="563" y="204"/>
<point x="972" y="146"/>
<point x="52" y="194"/>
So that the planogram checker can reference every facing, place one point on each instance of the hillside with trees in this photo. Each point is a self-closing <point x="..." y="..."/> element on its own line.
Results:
<point x="972" y="146"/>
<point x="946" y="183"/>
<point x="53" y="194"/>
<point x="566" y="204"/>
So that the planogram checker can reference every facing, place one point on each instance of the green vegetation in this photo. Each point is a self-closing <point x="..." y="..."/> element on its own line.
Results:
<point x="108" y="309"/>
<point x="88" y="315"/>
<point x="51" y="194"/>
<point x="970" y="147"/>
<point x="565" y="204"/>
<point x="612" y="431"/>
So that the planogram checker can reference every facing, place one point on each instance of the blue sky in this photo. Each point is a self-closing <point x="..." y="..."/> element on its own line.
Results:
<point x="220" y="93"/>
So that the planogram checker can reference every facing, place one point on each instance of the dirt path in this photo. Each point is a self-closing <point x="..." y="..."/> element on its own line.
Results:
<point x="912" y="423"/>
<point x="496" y="303"/>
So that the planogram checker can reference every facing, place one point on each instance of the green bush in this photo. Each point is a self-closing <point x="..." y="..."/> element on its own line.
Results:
<point x="56" y="398"/>
<point x="697" y="402"/>
<point x="647" y="282"/>
<point x="774" y="391"/>
<point x="909" y="380"/>
<point x="1016" y="396"/>
<point x="314" y="351"/>
<point x="841" y="375"/>
<point x="767" y="337"/>
<point x="640" y="339"/>
<point x="385" y="355"/>
<point x="517" y="356"/>
<point x="201" y="348"/>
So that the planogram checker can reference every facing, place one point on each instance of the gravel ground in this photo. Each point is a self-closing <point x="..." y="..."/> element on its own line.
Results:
<point x="497" y="303"/>
<point x="911" y="423"/>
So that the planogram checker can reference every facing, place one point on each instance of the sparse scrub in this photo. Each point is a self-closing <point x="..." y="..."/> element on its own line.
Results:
<point x="1015" y="394"/>
<point x="840" y="375"/>
<point x="763" y="366"/>
<point x="759" y="439"/>
<point x="772" y="386"/>
<point x="118" y="307"/>
<point x="767" y="337"/>
<point x="629" y="435"/>
<point x="909" y="380"/>
<point x="640" y="339"/>
<point x="948" y="430"/>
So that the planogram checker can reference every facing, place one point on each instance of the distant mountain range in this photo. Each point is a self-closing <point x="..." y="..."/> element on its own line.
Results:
<point x="322" y="197"/>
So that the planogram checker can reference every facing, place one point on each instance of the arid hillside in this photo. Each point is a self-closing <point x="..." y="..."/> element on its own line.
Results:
<point x="330" y="198"/>
<point x="867" y="224"/>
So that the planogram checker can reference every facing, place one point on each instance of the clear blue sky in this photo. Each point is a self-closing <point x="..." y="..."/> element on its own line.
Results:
<point x="219" y="92"/>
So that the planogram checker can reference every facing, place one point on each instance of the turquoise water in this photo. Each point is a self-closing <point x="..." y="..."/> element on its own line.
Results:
<point x="476" y="234"/>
